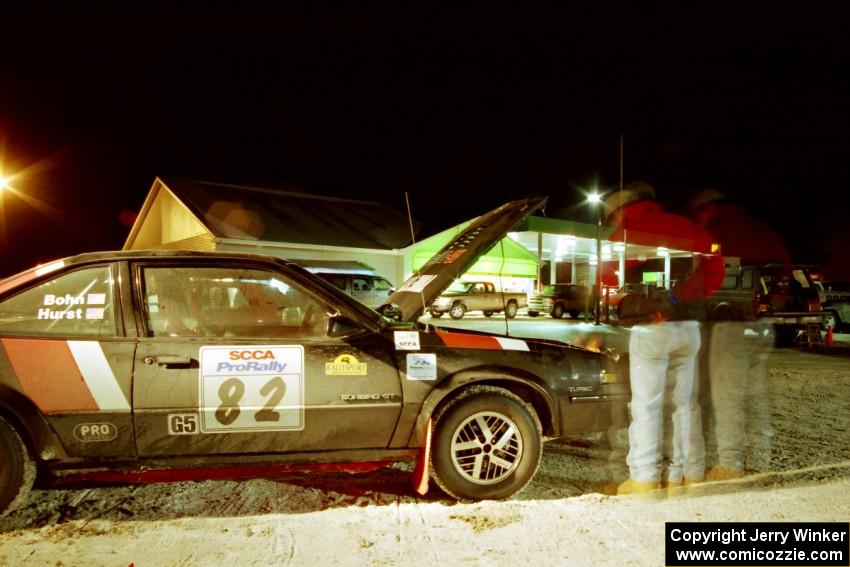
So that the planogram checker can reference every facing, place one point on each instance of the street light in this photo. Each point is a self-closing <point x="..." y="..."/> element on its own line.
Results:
<point x="595" y="199"/>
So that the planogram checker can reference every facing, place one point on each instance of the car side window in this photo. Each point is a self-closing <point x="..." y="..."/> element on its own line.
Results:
<point x="228" y="302"/>
<point x="730" y="282"/>
<point x="747" y="279"/>
<point x="360" y="284"/>
<point x="78" y="303"/>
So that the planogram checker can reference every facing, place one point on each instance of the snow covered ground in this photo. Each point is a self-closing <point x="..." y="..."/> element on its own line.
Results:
<point x="562" y="517"/>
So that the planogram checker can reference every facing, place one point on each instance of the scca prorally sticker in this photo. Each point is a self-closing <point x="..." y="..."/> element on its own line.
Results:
<point x="421" y="366"/>
<point x="251" y="388"/>
<point x="346" y="365"/>
<point x="406" y="340"/>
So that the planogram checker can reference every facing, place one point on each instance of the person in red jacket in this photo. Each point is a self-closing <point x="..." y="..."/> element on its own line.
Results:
<point x="664" y="340"/>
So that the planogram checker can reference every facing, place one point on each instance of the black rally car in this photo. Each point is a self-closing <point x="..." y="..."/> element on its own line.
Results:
<point x="121" y="364"/>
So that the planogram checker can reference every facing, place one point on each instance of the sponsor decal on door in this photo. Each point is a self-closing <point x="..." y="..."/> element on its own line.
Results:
<point x="251" y="388"/>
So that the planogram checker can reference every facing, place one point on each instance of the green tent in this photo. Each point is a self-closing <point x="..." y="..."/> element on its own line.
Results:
<point x="517" y="262"/>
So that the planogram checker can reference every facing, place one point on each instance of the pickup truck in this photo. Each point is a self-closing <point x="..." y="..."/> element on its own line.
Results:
<point x="835" y="300"/>
<point x="477" y="296"/>
<point x="785" y="295"/>
<point x="558" y="299"/>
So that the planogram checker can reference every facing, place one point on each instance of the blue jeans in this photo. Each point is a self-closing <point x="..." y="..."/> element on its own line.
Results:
<point x="659" y="353"/>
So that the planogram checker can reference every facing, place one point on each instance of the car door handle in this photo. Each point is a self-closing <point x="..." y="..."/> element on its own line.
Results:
<point x="170" y="361"/>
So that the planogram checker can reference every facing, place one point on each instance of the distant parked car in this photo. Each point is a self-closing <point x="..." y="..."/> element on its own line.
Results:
<point x="357" y="279"/>
<point x="784" y="294"/>
<point x="477" y="296"/>
<point x="835" y="300"/>
<point x="558" y="299"/>
<point x="371" y="290"/>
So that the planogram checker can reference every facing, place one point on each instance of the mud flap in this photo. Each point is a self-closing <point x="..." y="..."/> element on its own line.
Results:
<point x="422" y="470"/>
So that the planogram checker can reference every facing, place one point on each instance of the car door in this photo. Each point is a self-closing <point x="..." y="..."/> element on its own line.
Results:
<point x="236" y="358"/>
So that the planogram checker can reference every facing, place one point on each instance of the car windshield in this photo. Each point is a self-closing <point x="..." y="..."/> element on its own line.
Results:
<point x="341" y="296"/>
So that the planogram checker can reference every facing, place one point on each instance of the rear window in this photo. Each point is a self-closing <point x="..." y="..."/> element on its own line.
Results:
<point x="78" y="303"/>
<point x="788" y="281"/>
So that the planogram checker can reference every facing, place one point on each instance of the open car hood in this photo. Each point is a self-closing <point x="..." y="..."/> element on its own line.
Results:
<point x="456" y="257"/>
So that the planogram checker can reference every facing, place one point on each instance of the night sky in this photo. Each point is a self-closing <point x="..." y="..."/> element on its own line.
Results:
<point x="463" y="111"/>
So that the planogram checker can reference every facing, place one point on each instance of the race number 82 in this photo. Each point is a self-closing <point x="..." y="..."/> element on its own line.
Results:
<point x="241" y="393"/>
<point x="251" y="403"/>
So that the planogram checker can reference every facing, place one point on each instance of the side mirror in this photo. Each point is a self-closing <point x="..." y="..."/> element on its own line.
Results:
<point x="342" y="326"/>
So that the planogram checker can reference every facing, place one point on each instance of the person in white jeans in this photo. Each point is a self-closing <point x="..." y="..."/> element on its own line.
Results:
<point x="658" y="353"/>
<point x="665" y="338"/>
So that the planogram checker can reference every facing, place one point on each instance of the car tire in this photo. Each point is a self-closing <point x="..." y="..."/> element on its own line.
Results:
<point x="511" y="309"/>
<point x="481" y="471"/>
<point x="575" y="314"/>
<point x="17" y="469"/>
<point x="434" y="313"/>
<point x="488" y="313"/>
<point x="558" y="310"/>
<point x="725" y="313"/>
<point x="457" y="311"/>
<point x="533" y="313"/>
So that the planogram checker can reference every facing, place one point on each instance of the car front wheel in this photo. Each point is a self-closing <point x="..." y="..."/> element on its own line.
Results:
<point x="17" y="470"/>
<point x="558" y="311"/>
<point x="457" y="311"/>
<point x="487" y="444"/>
<point x="434" y="313"/>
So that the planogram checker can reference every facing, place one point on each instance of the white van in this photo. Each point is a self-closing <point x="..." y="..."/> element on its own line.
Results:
<point x="354" y="278"/>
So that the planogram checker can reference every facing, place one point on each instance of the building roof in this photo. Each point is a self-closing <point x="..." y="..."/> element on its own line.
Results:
<point x="271" y="215"/>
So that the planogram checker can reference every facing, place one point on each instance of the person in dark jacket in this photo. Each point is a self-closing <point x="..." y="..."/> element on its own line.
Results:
<point x="737" y="351"/>
<point x="738" y="233"/>
<point x="664" y="341"/>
